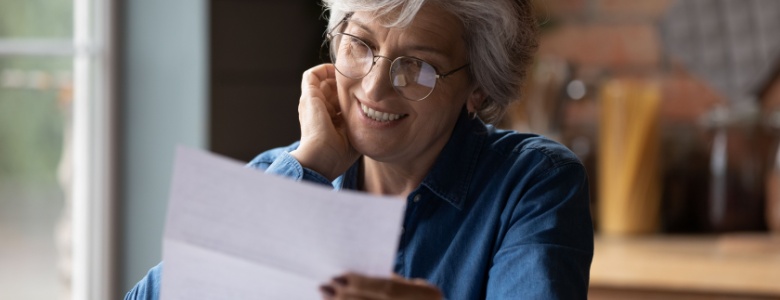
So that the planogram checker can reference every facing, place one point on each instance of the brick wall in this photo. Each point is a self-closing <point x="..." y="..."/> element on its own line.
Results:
<point x="619" y="38"/>
<point x="603" y="40"/>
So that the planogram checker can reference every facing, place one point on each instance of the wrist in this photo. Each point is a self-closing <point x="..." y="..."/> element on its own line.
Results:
<point x="309" y="160"/>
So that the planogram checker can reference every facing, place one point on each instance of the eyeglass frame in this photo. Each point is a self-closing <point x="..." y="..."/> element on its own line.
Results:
<point x="330" y="35"/>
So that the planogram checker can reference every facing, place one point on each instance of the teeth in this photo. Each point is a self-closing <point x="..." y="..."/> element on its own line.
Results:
<point x="378" y="115"/>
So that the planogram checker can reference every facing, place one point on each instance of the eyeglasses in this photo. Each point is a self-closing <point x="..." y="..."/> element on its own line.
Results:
<point x="412" y="78"/>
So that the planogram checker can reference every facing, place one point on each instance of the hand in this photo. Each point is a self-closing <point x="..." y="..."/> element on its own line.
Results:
<point x="353" y="286"/>
<point x="324" y="146"/>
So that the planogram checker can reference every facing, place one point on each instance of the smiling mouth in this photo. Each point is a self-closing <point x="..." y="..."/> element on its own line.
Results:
<point x="378" y="115"/>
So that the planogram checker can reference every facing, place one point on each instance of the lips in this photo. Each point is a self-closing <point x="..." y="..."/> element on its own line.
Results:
<point x="378" y="115"/>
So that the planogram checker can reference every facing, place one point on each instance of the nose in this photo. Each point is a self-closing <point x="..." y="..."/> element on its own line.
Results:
<point x="376" y="83"/>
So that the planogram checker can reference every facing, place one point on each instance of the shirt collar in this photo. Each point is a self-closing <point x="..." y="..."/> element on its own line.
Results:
<point x="450" y="176"/>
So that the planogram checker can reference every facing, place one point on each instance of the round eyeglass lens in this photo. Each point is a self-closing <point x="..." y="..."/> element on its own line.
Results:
<point x="351" y="56"/>
<point x="414" y="79"/>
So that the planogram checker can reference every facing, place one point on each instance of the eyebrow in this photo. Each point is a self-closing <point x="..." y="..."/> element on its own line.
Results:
<point x="429" y="49"/>
<point x="361" y="25"/>
<point x="419" y="48"/>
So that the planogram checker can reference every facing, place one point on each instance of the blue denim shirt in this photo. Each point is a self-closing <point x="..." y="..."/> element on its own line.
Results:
<point x="501" y="215"/>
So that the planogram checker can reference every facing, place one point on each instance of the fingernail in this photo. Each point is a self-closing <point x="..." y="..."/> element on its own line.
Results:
<point x="328" y="290"/>
<point x="341" y="280"/>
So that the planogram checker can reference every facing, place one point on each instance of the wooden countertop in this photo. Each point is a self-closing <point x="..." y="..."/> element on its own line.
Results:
<point x="734" y="264"/>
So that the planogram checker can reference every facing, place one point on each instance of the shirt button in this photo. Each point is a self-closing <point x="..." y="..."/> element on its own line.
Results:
<point x="416" y="198"/>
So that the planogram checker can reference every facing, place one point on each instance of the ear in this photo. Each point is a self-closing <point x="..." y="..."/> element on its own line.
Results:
<point x="476" y="100"/>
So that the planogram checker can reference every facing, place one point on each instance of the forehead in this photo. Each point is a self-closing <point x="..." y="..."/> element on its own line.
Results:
<point x="431" y="26"/>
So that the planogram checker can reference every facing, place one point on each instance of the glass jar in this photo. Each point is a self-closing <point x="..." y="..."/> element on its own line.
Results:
<point x="735" y="199"/>
<point x="685" y="177"/>
<point x="773" y="174"/>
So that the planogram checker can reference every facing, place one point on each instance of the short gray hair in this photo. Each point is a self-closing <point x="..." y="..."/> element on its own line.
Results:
<point x="500" y="36"/>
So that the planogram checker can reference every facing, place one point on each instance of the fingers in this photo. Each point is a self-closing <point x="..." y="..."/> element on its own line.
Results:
<point x="328" y="292"/>
<point x="319" y="84"/>
<point x="324" y="71"/>
<point x="328" y="88"/>
<point x="312" y="77"/>
<point x="355" y="286"/>
<point x="363" y="286"/>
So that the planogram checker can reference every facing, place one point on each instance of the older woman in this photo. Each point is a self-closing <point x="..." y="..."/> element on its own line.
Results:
<point x="491" y="214"/>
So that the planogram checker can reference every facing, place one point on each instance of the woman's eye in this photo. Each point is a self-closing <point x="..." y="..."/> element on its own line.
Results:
<point x="352" y="40"/>
<point x="354" y="37"/>
<point x="411" y="64"/>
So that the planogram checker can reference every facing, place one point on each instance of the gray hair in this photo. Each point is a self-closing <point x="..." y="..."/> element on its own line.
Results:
<point x="500" y="36"/>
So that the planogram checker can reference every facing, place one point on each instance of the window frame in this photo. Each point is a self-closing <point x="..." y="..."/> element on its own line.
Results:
<point x="92" y="190"/>
<point x="94" y="172"/>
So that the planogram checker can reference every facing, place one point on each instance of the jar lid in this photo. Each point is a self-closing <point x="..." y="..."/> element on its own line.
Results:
<point x="772" y="119"/>
<point x="742" y="113"/>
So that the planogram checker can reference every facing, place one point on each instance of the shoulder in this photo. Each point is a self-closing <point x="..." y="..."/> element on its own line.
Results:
<point x="149" y="287"/>
<point x="263" y="160"/>
<point x="528" y="171"/>
<point x="543" y="184"/>
<point x="527" y="150"/>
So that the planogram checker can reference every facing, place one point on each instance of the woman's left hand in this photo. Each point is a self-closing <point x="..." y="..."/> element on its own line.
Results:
<point x="353" y="286"/>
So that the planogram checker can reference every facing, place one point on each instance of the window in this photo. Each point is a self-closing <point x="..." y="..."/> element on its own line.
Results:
<point x="55" y="152"/>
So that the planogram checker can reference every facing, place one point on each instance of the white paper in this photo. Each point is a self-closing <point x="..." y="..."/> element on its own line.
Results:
<point x="237" y="233"/>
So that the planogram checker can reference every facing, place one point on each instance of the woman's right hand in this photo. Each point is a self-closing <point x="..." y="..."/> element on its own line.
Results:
<point x="324" y="145"/>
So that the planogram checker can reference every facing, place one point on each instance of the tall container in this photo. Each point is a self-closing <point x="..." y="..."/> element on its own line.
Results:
<point x="629" y="161"/>
<point x="773" y="175"/>
<point x="736" y="195"/>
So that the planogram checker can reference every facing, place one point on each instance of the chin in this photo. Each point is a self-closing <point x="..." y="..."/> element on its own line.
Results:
<point x="371" y="148"/>
<point x="368" y="148"/>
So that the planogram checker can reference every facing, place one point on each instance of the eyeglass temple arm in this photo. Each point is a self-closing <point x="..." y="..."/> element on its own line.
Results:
<point x="441" y="76"/>
<point x="343" y="20"/>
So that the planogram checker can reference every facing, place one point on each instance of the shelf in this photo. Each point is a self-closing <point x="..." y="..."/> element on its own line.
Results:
<point x="743" y="264"/>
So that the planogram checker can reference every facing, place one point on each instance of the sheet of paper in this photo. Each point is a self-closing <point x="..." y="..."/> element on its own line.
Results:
<point x="237" y="233"/>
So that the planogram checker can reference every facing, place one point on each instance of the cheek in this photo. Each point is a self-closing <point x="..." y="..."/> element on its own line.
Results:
<point x="446" y="104"/>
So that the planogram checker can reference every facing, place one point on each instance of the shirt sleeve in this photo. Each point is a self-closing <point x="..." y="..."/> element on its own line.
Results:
<point x="149" y="287"/>
<point x="279" y="162"/>
<point x="547" y="249"/>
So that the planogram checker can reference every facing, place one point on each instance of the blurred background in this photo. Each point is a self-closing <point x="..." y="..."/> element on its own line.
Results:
<point x="673" y="106"/>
